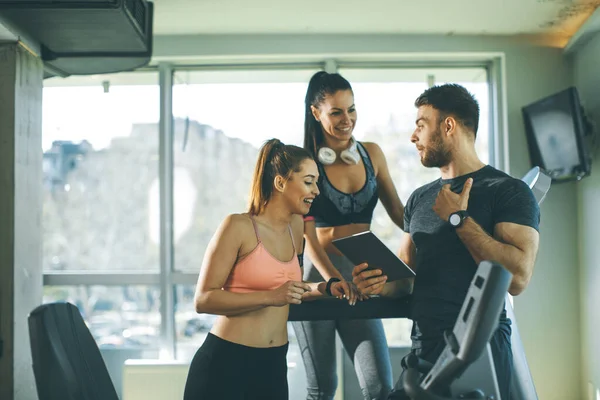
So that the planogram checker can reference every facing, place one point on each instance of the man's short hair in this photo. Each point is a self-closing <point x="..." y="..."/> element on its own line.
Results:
<point x="452" y="100"/>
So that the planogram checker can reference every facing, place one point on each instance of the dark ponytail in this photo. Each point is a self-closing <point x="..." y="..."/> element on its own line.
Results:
<point x="320" y="85"/>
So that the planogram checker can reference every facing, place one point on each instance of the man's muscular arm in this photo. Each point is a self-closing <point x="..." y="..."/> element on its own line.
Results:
<point x="514" y="246"/>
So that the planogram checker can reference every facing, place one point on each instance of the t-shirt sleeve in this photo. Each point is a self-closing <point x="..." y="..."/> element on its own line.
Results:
<point x="408" y="209"/>
<point x="516" y="203"/>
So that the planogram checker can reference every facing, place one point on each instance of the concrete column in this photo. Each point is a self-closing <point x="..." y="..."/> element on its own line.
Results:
<point x="21" y="78"/>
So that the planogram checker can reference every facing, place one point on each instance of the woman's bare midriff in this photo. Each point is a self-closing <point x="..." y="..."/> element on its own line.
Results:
<point x="327" y="235"/>
<point x="266" y="327"/>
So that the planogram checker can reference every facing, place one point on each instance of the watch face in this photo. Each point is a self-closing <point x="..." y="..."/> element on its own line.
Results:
<point x="454" y="219"/>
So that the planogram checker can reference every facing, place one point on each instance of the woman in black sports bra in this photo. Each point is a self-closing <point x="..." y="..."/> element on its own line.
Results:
<point x="353" y="176"/>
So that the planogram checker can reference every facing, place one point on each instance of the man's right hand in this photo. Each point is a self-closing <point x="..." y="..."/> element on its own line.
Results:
<point x="289" y="293"/>
<point x="368" y="282"/>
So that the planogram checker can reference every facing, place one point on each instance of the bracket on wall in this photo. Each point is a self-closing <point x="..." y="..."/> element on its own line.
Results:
<point x="330" y="66"/>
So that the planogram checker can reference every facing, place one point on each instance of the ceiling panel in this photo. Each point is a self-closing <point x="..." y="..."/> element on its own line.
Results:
<point x="494" y="17"/>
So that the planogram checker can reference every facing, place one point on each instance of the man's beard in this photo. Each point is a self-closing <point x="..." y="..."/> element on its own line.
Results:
<point x="436" y="154"/>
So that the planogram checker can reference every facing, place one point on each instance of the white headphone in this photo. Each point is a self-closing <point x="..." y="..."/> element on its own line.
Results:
<point x="350" y="156"/>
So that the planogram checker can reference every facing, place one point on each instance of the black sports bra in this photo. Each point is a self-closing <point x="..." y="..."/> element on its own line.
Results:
<point x="334" y="208"/>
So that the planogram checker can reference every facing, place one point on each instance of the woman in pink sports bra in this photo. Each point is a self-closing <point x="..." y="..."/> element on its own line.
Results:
<point x="249" y="277"/>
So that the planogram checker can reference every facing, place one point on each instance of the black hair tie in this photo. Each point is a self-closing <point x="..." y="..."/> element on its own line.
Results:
<point x="329" y="283"/>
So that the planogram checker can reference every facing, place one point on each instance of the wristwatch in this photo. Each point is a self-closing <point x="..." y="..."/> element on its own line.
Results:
<point x="457" y="218"/>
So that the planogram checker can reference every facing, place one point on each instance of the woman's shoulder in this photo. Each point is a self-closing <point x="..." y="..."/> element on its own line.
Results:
<point x="238" y="218"/>
<point x="239" y="223"/>
<point x="372" y="148"/>
<point x="375" y="154"/>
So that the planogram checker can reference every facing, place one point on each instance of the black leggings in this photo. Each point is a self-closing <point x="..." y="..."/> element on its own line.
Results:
<point x="225" y="370"/>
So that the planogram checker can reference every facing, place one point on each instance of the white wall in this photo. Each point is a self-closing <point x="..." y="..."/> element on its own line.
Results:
<point x="586" y="64"/>
<point x="548" y="312"/>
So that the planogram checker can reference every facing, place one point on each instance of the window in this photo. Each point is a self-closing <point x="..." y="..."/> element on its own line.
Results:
<point x="100" y="165"/>
<point x="191" y="328"/>
<point x="101" y="216"/>
<point x="100" y="146"/>
<point x="117" y="316"/>
<point x="221" y="120"/>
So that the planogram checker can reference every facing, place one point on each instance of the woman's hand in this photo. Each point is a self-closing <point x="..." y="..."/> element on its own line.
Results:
<point x="289" y="293"/>
<point x="347" y="290"/>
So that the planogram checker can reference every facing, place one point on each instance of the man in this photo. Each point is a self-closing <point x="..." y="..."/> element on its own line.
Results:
<point x="474" y="212"/>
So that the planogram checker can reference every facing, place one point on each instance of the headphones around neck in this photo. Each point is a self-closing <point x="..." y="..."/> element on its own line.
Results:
<point x="350" y="156"/>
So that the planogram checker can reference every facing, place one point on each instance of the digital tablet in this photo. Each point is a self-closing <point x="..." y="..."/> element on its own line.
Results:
<point x="365" y="247"/>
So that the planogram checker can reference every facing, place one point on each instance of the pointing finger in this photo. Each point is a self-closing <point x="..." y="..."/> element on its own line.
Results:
<point x="467" y="188"/>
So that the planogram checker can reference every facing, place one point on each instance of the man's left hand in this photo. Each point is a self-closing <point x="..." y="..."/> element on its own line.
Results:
<point x="369" y="282"/>
<point x="448" y="202"/>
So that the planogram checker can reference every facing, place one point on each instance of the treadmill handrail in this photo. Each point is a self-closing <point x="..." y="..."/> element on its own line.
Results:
<point x="331" y="308"/>
<point x="474" y="326"/>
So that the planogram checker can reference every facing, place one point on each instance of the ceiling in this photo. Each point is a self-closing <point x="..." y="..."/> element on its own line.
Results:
<point x="488" y="17"/>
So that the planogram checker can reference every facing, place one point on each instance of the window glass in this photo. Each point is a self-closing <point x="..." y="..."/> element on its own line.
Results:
<point x="100" y="171"/>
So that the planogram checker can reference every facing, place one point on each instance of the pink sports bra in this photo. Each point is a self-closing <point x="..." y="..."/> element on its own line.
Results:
<point x="259" y="270"/>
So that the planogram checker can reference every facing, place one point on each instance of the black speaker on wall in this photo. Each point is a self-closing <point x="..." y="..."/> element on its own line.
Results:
<point x="79" y="37"/>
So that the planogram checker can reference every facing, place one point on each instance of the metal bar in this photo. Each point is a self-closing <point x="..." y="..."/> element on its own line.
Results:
<point x="521" y="383"/>
<point x="184" y="278"/>
<point x="108" y="278"/>
<point x="327" y="309"/>
<point x="498" y="146"/>
<point x="116" y="278"/>
<point x="331" y="66"/>
<point x="165" y="173"/>
<point x="443" y="62"/>
<point x="249" y="66"/>
<point x="406" y="64"/>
